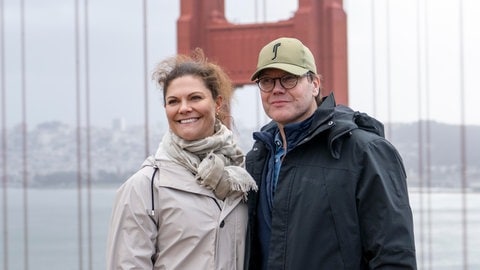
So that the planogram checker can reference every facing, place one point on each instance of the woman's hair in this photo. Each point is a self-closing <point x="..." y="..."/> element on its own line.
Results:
<point x="213" y="76"/>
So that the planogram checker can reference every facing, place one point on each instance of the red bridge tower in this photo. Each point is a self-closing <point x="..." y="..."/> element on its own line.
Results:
<point x="320" y="24"/>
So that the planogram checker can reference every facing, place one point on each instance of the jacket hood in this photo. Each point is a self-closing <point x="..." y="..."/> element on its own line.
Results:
<point x="342" y="121"/>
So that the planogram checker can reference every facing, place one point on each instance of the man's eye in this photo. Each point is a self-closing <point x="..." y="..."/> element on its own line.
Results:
<point x="289" y="78"/>
<point x="266" y="80"/>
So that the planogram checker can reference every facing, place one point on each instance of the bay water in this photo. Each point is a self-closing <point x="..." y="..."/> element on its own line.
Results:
<point x="56" y="226"/>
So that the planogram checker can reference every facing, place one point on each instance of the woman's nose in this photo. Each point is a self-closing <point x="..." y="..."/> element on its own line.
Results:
<point x="185" y="107"/>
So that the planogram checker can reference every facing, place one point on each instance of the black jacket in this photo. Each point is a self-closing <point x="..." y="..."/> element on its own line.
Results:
<point x="341" y="200"/>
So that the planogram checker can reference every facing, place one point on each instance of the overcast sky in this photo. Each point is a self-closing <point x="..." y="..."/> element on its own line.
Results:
<point x="418" y="60"/>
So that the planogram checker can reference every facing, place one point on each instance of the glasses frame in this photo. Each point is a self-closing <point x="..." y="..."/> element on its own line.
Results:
<point x="280" y="81"/>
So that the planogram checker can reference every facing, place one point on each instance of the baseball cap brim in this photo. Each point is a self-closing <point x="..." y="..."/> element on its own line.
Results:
<point x="293" y="69"/>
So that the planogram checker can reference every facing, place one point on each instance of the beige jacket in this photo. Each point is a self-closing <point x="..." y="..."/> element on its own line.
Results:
<point x="196" y="231"/>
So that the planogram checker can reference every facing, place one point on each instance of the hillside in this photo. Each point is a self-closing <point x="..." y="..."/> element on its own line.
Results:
<point x="117" y="153"/>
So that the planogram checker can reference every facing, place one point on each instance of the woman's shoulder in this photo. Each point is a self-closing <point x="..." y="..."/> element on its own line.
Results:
<point x="139" y="179"/>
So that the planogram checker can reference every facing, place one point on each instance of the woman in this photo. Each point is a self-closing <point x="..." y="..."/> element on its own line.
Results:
<point x="184" y="209"/>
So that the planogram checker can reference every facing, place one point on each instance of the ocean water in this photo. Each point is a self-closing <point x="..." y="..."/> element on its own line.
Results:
<point x="447" y="234"/>
<point x="54" y="229"/>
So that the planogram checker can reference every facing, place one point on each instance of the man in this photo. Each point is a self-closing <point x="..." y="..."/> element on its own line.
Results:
<point x="332" y="190"/>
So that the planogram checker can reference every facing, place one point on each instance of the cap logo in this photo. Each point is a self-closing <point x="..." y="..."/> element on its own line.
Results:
<point x="275" y="48"/>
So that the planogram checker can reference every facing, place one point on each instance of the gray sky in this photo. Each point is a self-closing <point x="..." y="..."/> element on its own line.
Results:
<point x="411" y="56"/>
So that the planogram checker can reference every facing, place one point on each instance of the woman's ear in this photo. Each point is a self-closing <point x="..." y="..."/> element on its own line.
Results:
<point x="219" y="103"/>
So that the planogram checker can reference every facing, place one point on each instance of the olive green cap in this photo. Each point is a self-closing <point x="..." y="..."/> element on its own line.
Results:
<point x="288" y="54"/>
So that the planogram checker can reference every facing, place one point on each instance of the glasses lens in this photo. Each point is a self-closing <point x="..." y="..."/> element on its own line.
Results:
<point x="289" y="81"/>
<point x="266" y="84"/>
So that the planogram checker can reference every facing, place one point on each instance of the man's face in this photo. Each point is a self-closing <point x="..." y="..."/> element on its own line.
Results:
<point x="292" y="105"/>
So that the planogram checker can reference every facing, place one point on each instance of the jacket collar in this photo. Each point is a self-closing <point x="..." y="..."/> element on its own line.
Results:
<point x="339" y="120"/>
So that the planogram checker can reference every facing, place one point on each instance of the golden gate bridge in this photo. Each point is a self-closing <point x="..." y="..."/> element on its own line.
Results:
<point x="379" y="26"/>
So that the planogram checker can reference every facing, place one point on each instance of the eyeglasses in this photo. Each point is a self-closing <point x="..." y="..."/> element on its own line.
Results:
<point x="287" y="81"/>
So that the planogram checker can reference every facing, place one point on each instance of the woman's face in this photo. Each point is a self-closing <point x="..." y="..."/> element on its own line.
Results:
<point x="190" y="108"/>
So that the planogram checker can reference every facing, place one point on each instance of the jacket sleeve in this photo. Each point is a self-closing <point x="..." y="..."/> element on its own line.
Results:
<point x="132" y="234"/>
<point x="385" y="216"/>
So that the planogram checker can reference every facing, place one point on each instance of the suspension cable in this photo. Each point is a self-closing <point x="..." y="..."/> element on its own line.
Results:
<point x="428" y="137"/>
<point x="88" y="138"/>
<point x="374" y="61"/>
<point x="145" y="71"/>
<point x="388" y="71"/>
<point x="24" y="135"/>
<point x="78" y="135"/>
<point x="463" y="157"/>
<point x="420" y="142"/>
<point x="4" y="138"/>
